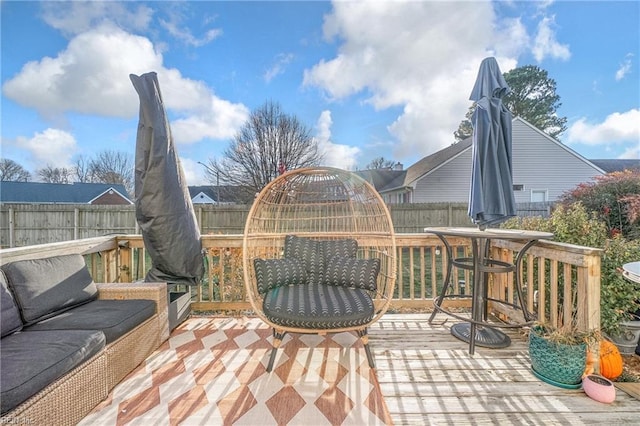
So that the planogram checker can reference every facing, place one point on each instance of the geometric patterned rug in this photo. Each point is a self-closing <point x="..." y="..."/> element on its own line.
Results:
<point x="212" y="371"/>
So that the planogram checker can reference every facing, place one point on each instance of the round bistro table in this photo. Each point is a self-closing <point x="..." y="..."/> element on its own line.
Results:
<point x="631" y="271"/>
<point x="485" y="334"/>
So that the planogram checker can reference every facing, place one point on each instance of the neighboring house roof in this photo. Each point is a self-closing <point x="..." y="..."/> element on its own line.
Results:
<point x="209" y="194"/>
<point x="382" y="178"/>
<point x="432" y="162"/>
<point x="203" y="194"/>
<point x="617" y="165"/>
<point x="436" y="160"/>
<point x="59" y="193"/>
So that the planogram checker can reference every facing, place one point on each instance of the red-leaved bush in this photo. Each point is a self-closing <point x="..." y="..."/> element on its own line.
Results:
<point x="613" y="198"/>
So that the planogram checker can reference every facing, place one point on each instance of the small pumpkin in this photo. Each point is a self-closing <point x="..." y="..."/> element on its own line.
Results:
<point x="610" y="360"/>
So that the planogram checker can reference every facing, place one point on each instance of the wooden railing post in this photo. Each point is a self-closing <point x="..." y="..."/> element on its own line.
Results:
<point x="124" y="261"/>
<point x="589" y="294"/>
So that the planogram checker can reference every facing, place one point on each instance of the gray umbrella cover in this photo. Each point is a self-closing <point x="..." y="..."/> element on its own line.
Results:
<point x="491" y="198"/>
<point x="163" y="205"/>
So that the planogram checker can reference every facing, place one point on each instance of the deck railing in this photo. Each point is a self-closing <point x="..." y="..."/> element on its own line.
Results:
<point x="559" y="281"/>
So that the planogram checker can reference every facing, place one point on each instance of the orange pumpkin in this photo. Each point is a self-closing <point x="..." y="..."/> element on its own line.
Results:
<point x="610" y="360"/>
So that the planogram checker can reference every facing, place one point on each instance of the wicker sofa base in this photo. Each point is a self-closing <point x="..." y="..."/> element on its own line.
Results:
<point x="67" y="400"/>
<point x="126" y="353"/>
<point x="70" y="398"/>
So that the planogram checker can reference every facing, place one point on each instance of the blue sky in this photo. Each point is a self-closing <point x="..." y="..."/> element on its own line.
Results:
<point x="370" y="79"/>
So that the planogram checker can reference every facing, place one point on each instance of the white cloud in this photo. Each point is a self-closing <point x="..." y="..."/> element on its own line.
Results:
<point x="85" y="79"/>
<point x="625" y="67"/>
<point x="282" y="60"/>
<point x="174" y="26"/>
<point x="218" y="119"/>
<point x="76" y="17"/>
<point x="615" y="129"/>
<point x="416" y="55"/>
<point x="334" y="155"/>
<point x="545" y="43"/>
<point x="193" y="172"/>
<point x="632" y="153"/>
<point x="52" y="147"/>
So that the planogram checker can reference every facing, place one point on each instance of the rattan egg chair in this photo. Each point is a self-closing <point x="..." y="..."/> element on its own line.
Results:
<point x="319" y="255"/>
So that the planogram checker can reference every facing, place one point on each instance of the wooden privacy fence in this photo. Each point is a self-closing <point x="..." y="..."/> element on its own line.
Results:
<point x="29" y="224"/>
<point x="560" y="281"/>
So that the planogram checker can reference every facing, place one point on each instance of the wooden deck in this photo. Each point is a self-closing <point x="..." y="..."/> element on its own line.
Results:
<point x="428" y="377"/>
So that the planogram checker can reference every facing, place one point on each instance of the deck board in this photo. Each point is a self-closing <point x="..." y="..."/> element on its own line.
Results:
<point x="428" y="377"/>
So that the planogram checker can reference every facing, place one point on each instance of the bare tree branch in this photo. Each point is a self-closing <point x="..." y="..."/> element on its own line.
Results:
<point x="50" y="174"/>
<point x="269" y="142"/>
<point x="10" y="171"/>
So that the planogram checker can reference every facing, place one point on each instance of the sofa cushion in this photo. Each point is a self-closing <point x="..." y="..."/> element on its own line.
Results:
<point x="271" y="273"/>
<point x="48" y="286"/>
<point x="32" y="360"/>
<point x="114" y="318"/>
<point x="359" y="273"/>
<point x="10" y="320"/>
<point x="318" y="306"/>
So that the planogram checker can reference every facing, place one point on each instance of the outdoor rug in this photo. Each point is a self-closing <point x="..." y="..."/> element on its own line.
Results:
<point x="212" y="371"/>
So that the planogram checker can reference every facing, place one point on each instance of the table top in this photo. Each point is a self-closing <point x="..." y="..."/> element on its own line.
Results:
<point x="502" y="234"/>
<point x="632" y="271"/>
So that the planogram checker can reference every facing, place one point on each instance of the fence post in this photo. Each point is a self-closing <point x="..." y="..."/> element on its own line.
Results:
<point x="12" y="231"/>
<point x="76" y="220"/>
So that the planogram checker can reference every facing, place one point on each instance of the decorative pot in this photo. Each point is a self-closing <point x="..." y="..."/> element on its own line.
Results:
<point x="558" y="364"/>
<point x="627" y="340"/>
<point x="599" y="388"/>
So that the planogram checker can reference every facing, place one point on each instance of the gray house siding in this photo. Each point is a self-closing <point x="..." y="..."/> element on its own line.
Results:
<point x="448" y="183"/>
<point x="540" y="164"/>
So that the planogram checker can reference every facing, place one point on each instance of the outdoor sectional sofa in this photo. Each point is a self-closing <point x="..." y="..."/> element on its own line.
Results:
<point x="67" y="341"/>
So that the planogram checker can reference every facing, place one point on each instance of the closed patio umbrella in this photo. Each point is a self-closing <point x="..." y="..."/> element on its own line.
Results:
<point x="163" y="205"/>
<point x="491" y="198"/>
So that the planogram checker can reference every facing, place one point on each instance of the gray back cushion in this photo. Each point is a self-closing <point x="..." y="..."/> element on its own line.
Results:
<point x="341" y="248"/>
<point x="10" y="319"/>
<point x="314" y="253"/>
<point x="46" y="287"/>
<point x="308" y="251"/>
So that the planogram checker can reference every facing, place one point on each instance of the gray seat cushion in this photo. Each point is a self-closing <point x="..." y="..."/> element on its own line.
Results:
<point x="32" y="360"/>
<point x="114" y="318"/>
<point x="318" y="306"/>
<point x="10" y="320"/>
<point x="48" y="286"/>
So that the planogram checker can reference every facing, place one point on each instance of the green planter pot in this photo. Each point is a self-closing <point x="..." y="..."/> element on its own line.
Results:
<point x="556" y="363"/>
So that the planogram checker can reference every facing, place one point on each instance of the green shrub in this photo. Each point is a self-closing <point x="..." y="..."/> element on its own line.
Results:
<point x="614" y="198"/>
<point x="573" y="224"/>
<point x="618" y="295"/>
<point x="569" y="224"/>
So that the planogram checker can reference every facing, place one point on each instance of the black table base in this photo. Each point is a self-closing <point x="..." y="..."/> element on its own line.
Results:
<point x="485" y="336"/>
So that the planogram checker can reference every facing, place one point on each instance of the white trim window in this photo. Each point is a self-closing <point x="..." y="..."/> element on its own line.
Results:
<point x="539" y="195"/>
